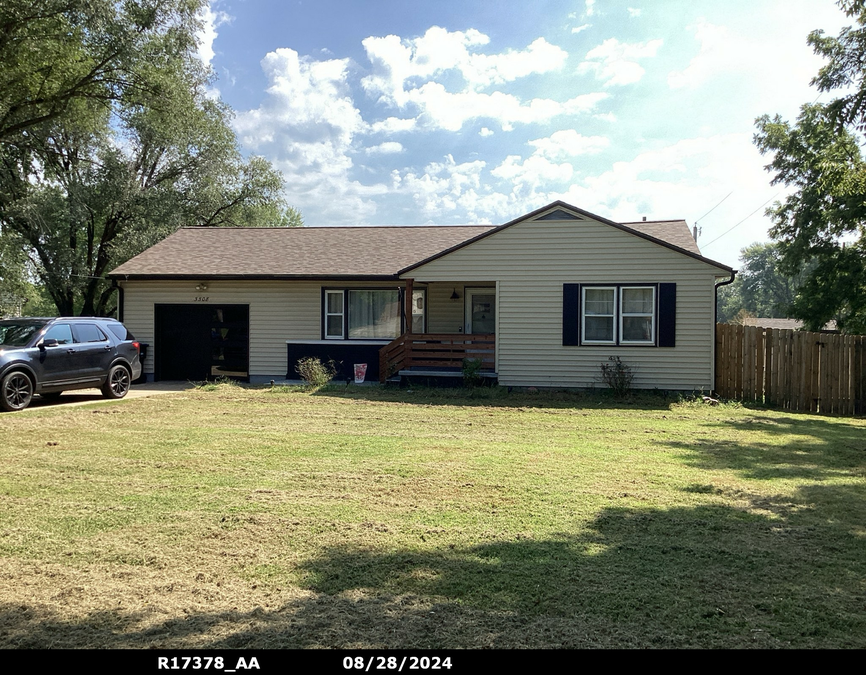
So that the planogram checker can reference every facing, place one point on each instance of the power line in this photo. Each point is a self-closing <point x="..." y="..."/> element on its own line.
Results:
<point x="743" y="220"/>
<point x="714" y="208"/>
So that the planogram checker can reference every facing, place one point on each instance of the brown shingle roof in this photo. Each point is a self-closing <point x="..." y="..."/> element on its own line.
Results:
<point x="294" y="252"/>
<point x="324" y="252"/>
<point x="674" y="232"/>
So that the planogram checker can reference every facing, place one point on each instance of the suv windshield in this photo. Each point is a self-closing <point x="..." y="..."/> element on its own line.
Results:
<point x="18" y="334"/>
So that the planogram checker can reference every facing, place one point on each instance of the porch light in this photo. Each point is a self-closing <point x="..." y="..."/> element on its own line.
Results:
<point x="454" y="295"/>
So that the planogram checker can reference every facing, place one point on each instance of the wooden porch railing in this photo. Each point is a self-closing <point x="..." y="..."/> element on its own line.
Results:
<point x="436" y="351"/>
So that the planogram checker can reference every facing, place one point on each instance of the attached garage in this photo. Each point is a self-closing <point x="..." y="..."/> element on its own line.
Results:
<point x="201" y="342"/>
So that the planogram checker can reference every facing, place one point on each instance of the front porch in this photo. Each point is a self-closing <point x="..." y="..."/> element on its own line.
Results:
<point x="437" y="355"/>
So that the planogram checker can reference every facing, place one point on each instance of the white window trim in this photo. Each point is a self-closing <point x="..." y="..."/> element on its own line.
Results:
<point x="623" y="314"/>
<point x="342" y="315"/>
<point x="583" y="315"/>
<point x="344" y="321"/>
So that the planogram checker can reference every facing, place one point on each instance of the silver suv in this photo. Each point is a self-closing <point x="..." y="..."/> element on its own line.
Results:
<point x="52" y="355"/>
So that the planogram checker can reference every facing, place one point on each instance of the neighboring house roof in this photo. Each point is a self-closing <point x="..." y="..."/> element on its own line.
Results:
<point x="259" y="252"/>
<point x="782" y="324"/>
<point x="356" y="252"/>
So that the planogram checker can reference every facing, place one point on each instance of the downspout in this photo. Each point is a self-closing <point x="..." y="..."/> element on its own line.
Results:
<point x="716" y="296"/>
<point x="119" y="288"/>
<point x="716" y="318"/>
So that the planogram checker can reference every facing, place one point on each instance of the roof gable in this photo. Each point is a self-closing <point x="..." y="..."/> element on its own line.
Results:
<point x="559" y="210"/>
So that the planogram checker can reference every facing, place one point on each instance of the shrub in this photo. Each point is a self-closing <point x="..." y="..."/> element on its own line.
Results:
<point x="314" y="372"/>
<point x="472" y="372"/>
<point x="617" y="375"/>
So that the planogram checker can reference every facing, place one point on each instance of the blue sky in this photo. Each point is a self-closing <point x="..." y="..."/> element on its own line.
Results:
<point x="446" y="112"/>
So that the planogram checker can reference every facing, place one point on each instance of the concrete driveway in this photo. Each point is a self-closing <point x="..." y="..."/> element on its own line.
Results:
<point x="85" y="396"/>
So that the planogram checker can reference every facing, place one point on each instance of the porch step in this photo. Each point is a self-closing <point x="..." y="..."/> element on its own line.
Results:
<point x="442" y="373"/>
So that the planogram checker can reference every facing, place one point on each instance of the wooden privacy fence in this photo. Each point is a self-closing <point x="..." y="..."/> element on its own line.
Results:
<point x="792" y="369"/>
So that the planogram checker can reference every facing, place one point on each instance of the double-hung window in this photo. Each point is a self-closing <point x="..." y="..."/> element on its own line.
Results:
<point x="637" y="315"/>
<point x="368" y="313"/>
<point x="618" y="315"/>
<point x="335" y="315"/>
<point x="599" y="315"/>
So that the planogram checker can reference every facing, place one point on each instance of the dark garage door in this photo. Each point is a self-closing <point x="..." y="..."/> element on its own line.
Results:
<point x="202" y="342"/>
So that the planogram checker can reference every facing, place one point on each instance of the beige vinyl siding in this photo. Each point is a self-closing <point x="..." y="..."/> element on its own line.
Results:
<point x="279" y="311"/>
<point x="445" y="315"/>
<point x="532" y="260"/>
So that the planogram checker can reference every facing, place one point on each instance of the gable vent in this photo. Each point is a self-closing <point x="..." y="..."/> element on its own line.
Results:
<point x="558" y="214"/>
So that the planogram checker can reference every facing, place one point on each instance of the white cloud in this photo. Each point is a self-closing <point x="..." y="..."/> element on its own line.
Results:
<point x="718" y="53"/>
<point x="392" y="125"/>
<point x="211" y="20"/>
<point x="569" y="143"/>
<point x="405" y="75"/>
<point x="485" y="132"/>
<point x="533" y="172"/>
<point x="682" y="180"/>
<point x="615" y="62"/>
<point x="633" y="13"/>
<point x="578" y="29"/>
<point x="444" y="110"/>
<point x="443" y="186"/>
<point x="387" y="148"/>
<point x="306" y="126"/>
<point x="438" y="51"/>
<point x="590" y="8"/>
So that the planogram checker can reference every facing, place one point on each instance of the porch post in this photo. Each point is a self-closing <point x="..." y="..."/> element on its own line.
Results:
<point x="407" y="304"/>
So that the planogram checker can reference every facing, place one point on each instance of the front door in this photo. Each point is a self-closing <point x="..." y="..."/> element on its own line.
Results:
<point x="480" y="311"/>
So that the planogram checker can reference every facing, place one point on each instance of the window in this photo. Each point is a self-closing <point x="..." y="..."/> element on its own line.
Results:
<point x="60" y="332"/>
<point x="87" y="332"/>
<point x="369" y="313"/>
<point x="334" y="315"/>
<point x="120" y="331"/>
<point x="598" y="315"/>
<point x="637" y="315"/>
<point x="418" y="312"/>
<point x="374" y="314"/>
<point x="618" y="315"/>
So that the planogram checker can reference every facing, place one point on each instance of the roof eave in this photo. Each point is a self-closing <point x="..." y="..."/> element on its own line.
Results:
<point x="120" y="276"/>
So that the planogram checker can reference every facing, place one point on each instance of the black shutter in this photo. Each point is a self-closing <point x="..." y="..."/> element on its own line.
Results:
<point x="570" y="315"/>
<point x="667" y="315"/>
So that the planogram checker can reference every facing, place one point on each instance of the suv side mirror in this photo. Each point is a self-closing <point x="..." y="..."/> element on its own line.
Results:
<point x="48" y="342"/>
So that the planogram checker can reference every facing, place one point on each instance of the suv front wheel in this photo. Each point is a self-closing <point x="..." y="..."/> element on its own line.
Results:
<point x="117" y="383"/>
<point x="16" y="391"/>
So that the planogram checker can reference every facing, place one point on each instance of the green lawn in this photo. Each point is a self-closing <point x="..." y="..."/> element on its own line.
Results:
<point x="230" y="517"/>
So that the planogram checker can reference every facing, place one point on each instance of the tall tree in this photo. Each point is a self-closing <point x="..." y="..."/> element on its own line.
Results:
<point x="55" y="53"/>
<point x="89" y="180"/>
<point x="823" y="221"/>
<point x="761" y="288"/>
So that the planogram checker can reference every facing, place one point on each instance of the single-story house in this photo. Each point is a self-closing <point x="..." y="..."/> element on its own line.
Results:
<point x="540" y="301"/>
